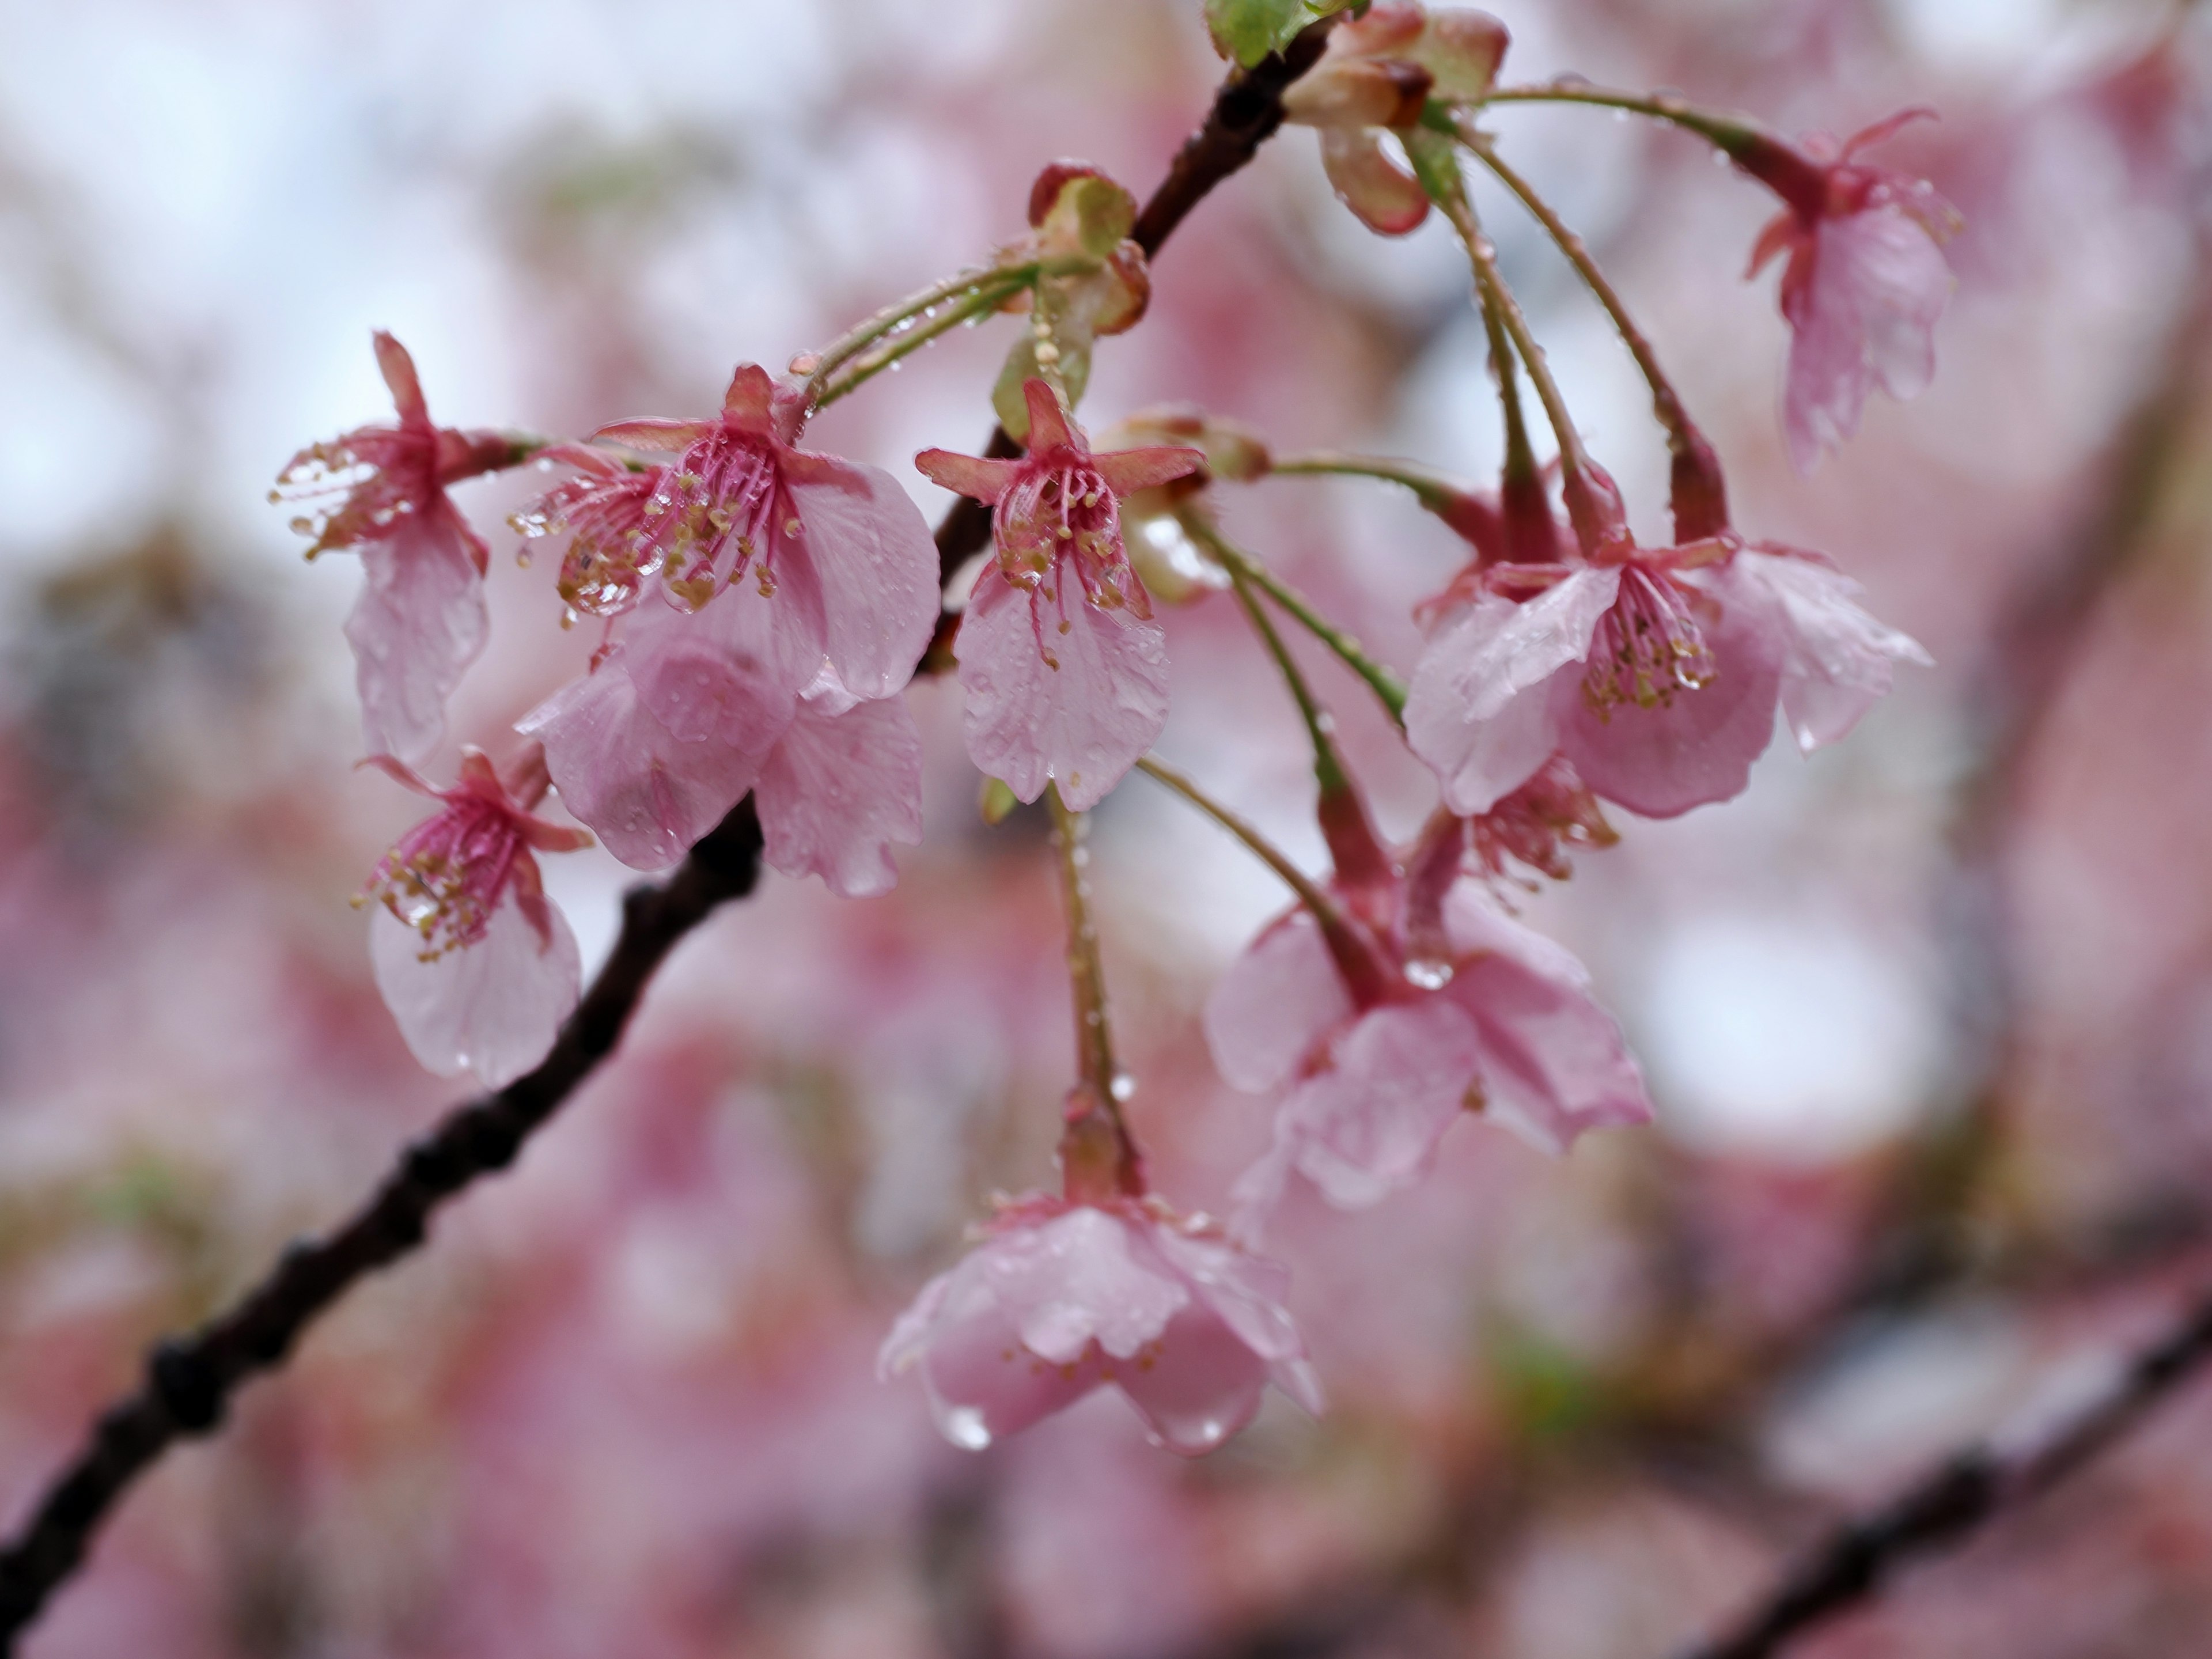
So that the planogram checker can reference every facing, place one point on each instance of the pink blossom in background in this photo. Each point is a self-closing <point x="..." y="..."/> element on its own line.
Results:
<point x="1421" y="1000"/>
<point x="1059" y="1298"/>
<point x="1655" y="672"/>
<point x="477" y="967"/>
<point x="1065" y="671"/>
<point x="1864" y="285"/>
<point x="419" y="621"/>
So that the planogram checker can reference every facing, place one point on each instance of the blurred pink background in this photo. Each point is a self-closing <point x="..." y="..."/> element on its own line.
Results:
<point x="1928" y="1016"/>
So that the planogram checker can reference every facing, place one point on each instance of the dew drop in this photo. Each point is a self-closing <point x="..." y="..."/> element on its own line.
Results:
<point x="1429" y="974"/>
<point x="964" y="1427"/>
<point x="1122" y="1087"/>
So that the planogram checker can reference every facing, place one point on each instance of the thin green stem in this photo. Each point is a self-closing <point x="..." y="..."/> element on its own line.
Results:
<point x="1232" y="558"/>
<point x="864" y="333"/>
<point x="1490" y="286"/>
<point x="1732" y="133"/>
<point x="1434" y="489"/>
<point x="1328" y="765"/>
<point x="1094" y="1042"/>
<point x="1666" y="405"/>
<point x="1520" y="459"/>
<point x="1310" y="894"/>
<point x="887" y="352"/>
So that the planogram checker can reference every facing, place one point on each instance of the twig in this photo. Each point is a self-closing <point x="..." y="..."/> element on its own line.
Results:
<point x="190" y="1379"/>
<point x="1967" y="1491"/>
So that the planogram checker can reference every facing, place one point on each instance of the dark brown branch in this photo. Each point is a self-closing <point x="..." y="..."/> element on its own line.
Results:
<point x="190" y="1379"/>
<point x="1245" y="113"/>
<point x="1966" y="1493"/>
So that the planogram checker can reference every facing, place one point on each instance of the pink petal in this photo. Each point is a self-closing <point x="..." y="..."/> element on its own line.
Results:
<point x="1275" y="1005"/>
<point x="728" y="674"/>
<point x="1078" y="1279"/>
<point x="1202" y="1386"/>
<point x="658" y="436"/>
<point x="751" y="395"/>
<point x="1127" y="471"/>
<point x="838" y="790"/>
<point x="1837" y="660"/>
<point x="1461" y="50"/>
<point x="1368" y="1123"/>
<point x="1387" y="198"/>
<point x="1878" y="283"/>
<point x="1482" y="711"/>
<point x="418" y="624"/>
<point x="1696" y="748"/>
<point x="398" y="368"/>
<point x="982" y="1385"/>
<point x="1553" y="1061"/>
<point x="647" y="793"/>
<point x="876" y="564"/>
<point x="492" y="1007"/>
<point x="1082" y="716"/>
<point x="984" y="479"/>
<point x="1048" y="427"/>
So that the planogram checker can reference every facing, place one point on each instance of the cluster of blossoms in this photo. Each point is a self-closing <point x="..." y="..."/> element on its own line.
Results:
<point x="765" y="605"/>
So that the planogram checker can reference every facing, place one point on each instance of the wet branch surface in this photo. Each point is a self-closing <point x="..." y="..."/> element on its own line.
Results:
<point x="189" y="1380"/>
<point x="1974" y="1487"/>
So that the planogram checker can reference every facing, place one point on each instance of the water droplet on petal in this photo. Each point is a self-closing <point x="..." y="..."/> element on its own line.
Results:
<point x="1123" y="1086"/>
<point x="964" y="1427"/>
<point x="1429" y="974"/>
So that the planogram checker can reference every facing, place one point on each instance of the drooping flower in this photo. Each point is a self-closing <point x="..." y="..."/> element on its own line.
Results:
<point x="1060" y="1297"/>
<point x="477" y="967"/>
<point x="1378" y="72"/>
<point x="1864" y="282"/>
<point x="419" y="620"/>
<point x="1655" y="672"/>
<point x="1065" y="671"/>
<point x="837" y="548"/>
<point x="1417" y="1000"/>
<point x="682" y="713"/>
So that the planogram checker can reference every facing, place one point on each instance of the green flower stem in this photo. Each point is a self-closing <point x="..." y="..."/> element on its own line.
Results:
<point x="1237" y="563"/>
<point x="1328" y="765"/>
<point x="1094" y="1042"/>
<point x="1735" y="134"/>
<point x="1434" y="489"/>
<point x="888" y="352"/>
<point x="1681" y="434"/>
<point x="862" y="335"/>
<point x="1309" y="895"/>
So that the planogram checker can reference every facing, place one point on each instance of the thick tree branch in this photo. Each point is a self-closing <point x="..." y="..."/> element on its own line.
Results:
<point x="190" y="1379"/>
<point x="1969" y="1490"/>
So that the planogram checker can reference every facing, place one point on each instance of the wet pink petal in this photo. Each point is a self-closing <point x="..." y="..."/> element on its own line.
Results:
<point x="1059" y="1298"/>
<point x="418" y="624"/>
<point x="875" y="562"/>
<point x="646" y="793"/>
<point x="1837" y="660"/>
<point x="1368" y="1122"/>
<point x="726" y="675"/>
<point x="1697" y="745"/>
<point x="1058" y="687"/>
<point x="838" y="790"/>
<point x="1275" y="1005"/>
<point x="493" y="1007"/>
<point x="1483" y="710"/>
<point x="1553" y="1062"/>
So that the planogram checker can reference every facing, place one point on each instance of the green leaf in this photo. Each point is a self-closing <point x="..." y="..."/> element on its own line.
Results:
<point x="1247" y="30"/>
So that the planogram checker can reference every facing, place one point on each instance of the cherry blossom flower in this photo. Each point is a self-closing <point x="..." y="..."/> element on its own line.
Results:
<point x="1378" y="72"/>
<point x="1864" y="282"/>
<point x="1061" y="1297"/>
<point x="1065" y="671"/>
<point x="838" y="548"/>
<point x="477" y="967"/>
<point x="683" y="714"/>
<point x="419" y="621"/>
<point x="1417" y="1000"/>
<point x="1655" y="672"/>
